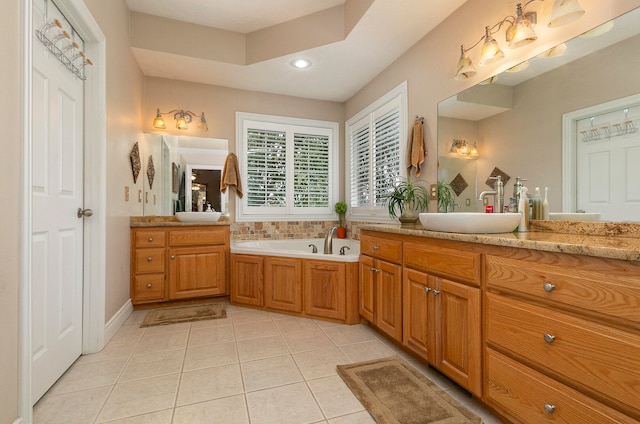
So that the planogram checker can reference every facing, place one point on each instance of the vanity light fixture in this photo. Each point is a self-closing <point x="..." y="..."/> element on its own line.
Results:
<point x="182" y="117"/>
<point x="519" y="33"/>
<point x="464" y="149"/>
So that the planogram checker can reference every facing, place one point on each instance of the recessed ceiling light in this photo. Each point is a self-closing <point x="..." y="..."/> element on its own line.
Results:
<point x="300" y="63"/>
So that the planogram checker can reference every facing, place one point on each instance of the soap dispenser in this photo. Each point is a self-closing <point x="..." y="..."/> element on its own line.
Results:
<point x="523" y="209"/>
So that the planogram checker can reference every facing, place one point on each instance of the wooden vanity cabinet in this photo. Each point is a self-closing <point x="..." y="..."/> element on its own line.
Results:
<point x="380" y="285"/>
<point x="325" y="283"/>
<point x="177" y="263"/>
<point x="283" y="284"/>
<point x="247" y="280"/>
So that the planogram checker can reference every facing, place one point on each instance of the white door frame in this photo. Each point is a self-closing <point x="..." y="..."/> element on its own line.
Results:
<point x="95" y="192"/>
<point x="569" y="141"/>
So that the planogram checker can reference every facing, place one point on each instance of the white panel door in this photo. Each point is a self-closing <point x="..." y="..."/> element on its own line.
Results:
<point x="57" y="193"/>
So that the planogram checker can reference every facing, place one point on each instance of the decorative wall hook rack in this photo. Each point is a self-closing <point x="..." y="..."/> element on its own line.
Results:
<point x="58" y="41"/>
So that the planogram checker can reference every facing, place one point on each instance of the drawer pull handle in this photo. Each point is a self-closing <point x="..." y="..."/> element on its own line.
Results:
<point x="374" y="269"/>
<point x="150" y="239"/>
<point x="436" y="292"/>
<point x="375" y="247"/>
<point x="149" y="259"/>
<point x="549" y="338"/>
<point x="549" y="408"/>
<point x="149" y="285"/>
<point x="548" y="287"/>
<point x="427" y="289"/>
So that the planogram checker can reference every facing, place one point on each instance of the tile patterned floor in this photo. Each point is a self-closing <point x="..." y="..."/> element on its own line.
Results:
<point x="252" y="367"/>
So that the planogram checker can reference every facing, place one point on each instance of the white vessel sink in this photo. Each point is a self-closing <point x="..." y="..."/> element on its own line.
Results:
<point x="198" y="216"/>
<point x="470" y="222"/>
<point x="594" y="216"/>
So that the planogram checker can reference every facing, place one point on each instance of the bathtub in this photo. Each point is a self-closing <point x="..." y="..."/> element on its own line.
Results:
<point x="298" y="248"/>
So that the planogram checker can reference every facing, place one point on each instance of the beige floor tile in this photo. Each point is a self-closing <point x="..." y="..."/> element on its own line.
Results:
<point x="160" y="417"/>
<point x="76" y="407"/>
<point x="357" y="418"/>
<point x="136" y="318"/>
<point x="473" y="405"/>
<point x="347" y="334"/>
<point x="140" y="397"/>
<point x="82" y="376"/>
<point x="271" y="372"/>
<point x="366" y="351"/>
<point x="128" y="333"/>
<point x="210" y="383"/>
<point x="303" y="344"/>
<point x="157" y="342"/>
<point x="229" y="410"/>
<point x="211" y="335"/>
<point x="169" y="328"/>
<point x="273" y="406"/>
<point x="296" y="325"/>
<point x="325" y="324"/>
<point x="250" y="315"/>
<point x="334" y="397"/>
<point x="217" y="322"/>
<point x="320" y="363"/>
<point x="154" y="364"/>
<point x="251" y="330"/>
<point x="211" y="355"/>
<point x="261" y="348"/>
<point x="113" y="350"/>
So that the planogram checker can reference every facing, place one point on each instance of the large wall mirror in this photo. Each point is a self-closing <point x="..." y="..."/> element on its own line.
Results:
<point x="517" y="121"/>
<point x="187" y="172"/>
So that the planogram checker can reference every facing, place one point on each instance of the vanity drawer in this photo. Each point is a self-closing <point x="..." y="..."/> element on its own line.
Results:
<point x="149" y="238"/>
<point x="449" y="263"/>
<point x="148" y="288"/>
<point x="198" y="236"/>
<point x="593" y="291"/>
<point x="381" y="248"/>
<point x="149" y="261"/>
<point x="531" y="397"/>
<point x="601" y="358"/>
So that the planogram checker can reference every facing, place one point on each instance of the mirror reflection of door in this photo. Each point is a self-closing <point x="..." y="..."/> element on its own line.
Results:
<point x="205" y="187"/>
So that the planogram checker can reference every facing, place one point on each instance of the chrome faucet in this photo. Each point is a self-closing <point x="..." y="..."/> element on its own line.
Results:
<point x="498" y="194"/>
<point x="328" y="241"/>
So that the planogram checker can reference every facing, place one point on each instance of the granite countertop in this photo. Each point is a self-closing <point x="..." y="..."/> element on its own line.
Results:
<point x="171" y="221"/>
<point x="578" y="243"/>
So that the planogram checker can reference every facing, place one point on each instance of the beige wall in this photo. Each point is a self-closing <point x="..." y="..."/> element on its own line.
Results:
<point x="10" y="191"/>
<point x="429" y="66"/>
<point x="124" y="120"/>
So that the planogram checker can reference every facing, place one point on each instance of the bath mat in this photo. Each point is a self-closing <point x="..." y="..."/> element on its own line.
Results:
<point x="395" y="393"/>
<point x="188" y="313"/>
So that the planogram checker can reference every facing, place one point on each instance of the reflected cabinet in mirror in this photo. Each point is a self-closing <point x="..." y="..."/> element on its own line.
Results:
<point x="568" y="122"/>
<point x="187" y="174"/>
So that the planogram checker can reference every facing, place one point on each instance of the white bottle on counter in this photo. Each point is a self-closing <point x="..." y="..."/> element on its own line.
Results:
<point x="545" y="204"/>
<point x="523" y="209"/>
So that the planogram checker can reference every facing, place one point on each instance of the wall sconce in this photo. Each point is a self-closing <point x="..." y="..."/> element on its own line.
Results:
<point x="464" y="149"/>
<point x="182" y="117"/>
<point x="519" y="33"/>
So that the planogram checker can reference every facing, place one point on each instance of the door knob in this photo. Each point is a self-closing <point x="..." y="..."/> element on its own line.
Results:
<point x="84" y="212"/>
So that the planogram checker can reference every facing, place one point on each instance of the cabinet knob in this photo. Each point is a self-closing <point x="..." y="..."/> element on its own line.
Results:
<point x="149" y="285"/>
<point x="549" y="408"/>
<point x="149" y="259"/>
<point x="375" y="247"/>
<point x="549" y="338"/>
<point x="436" y="292"/>
<point x="150" y="239"/>
<point x="173" y="256"/>
<point x="427" y="289"/>
<point x="548" y="287"/>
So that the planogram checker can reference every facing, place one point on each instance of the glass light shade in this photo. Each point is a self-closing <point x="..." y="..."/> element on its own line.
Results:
<point x="202" y="125"/>
<point x="522" y="33"/>
<point x="565" y="12"/>
<point x="181" y="123"/>
<point x="490" y="50"/>
<point x="158" y="122"/>
<point x="519" y="67"/>
<point x="558" y="50"/>
<point x="474" y="151"/>
<point x="465" y="68"/>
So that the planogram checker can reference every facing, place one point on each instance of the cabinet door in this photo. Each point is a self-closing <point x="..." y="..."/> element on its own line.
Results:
<point x="366" y="287"/>
<point x="419" y="314"/>
<point x="197" y="271"/>
<point x="388" y="303"/>
<point x="283" y="284"/>
<point x="458" y="333"/>
<point x="325" y="287"/>
<point x="247" y="280"/>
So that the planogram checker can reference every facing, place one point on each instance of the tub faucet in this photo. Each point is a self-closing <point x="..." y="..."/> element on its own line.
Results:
<point x="498" y="194"/>
<point x="328" y="241"/>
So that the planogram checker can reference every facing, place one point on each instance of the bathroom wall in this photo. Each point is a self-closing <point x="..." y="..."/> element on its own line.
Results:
<point x="12" y="195"/>
<point x="429" y="66"/>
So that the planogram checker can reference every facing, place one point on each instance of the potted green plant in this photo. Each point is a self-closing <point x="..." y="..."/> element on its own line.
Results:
<point x="341" y="209"/>
<point x="405" y="199"/>
<point x="446" y="197"/>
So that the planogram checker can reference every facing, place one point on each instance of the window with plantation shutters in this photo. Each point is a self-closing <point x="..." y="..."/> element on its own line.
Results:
<point x="375" y="150"/>
<point x="288" y="167"/>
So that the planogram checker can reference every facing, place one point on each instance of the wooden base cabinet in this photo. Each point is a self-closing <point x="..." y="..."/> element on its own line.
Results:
<point x="283" y="284"/>
<point x="326" y="286"/>
<point x="247" y="280"/>
<point x="197" y="272"/>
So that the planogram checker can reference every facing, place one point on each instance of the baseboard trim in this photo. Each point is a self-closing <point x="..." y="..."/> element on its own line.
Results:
<point x="116" y="321"/>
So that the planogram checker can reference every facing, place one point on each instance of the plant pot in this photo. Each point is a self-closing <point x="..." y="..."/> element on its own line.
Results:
<point x="342" y="232"/>
<point x="408" y="217"/>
